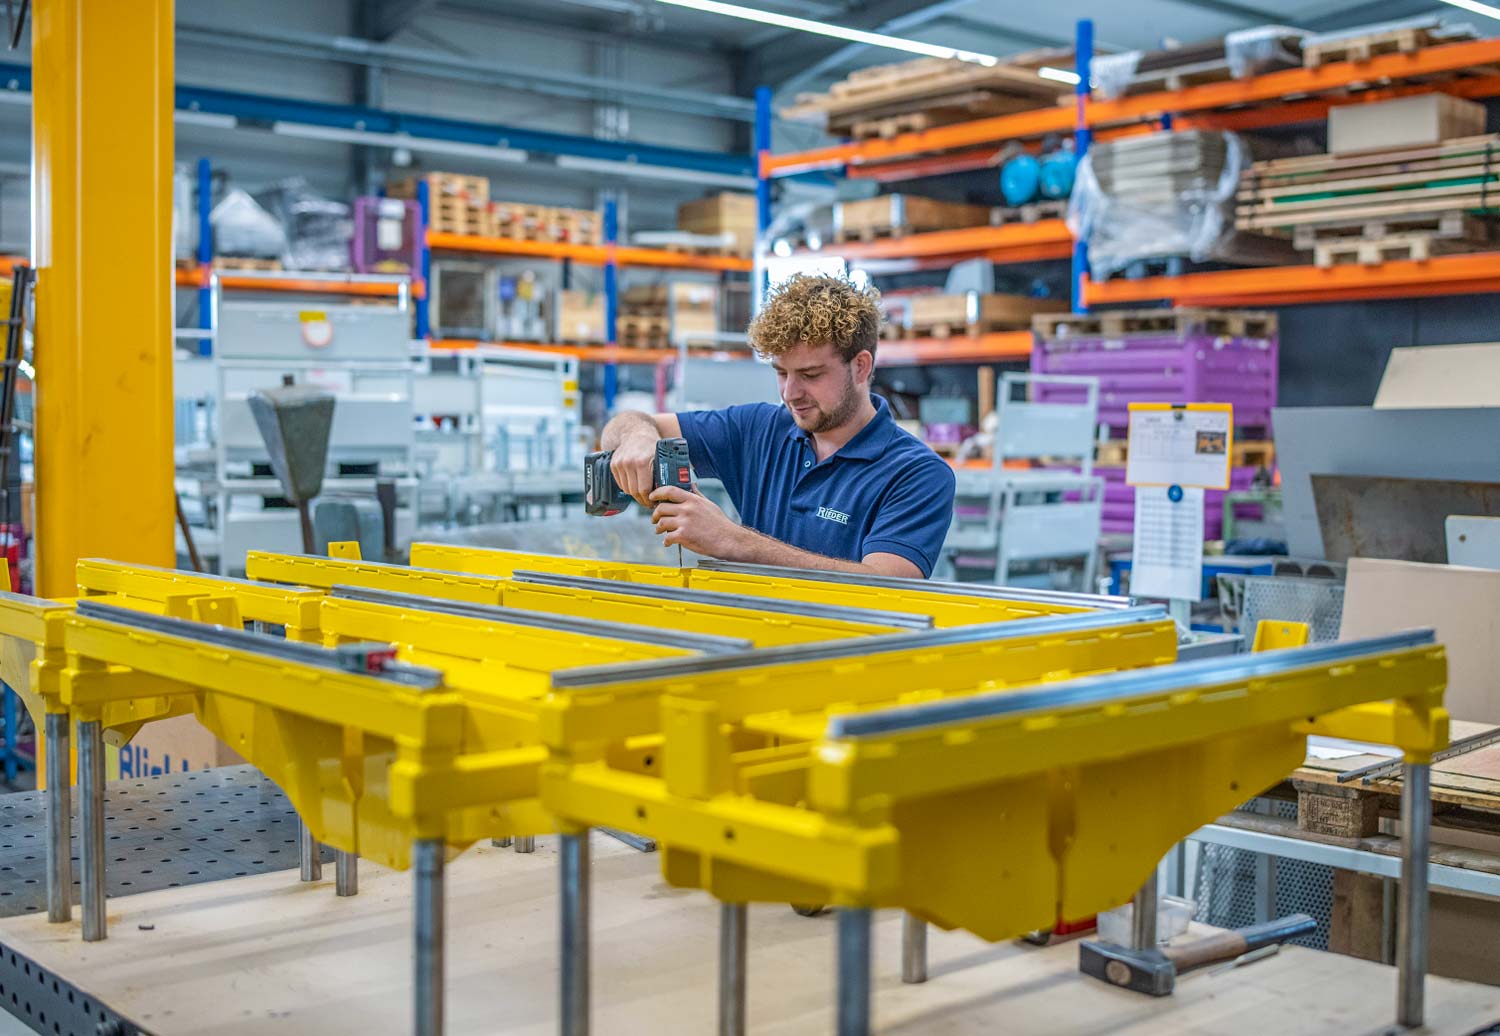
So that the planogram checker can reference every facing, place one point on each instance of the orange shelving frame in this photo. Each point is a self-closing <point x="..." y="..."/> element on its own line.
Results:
<point x="1008" y="243"/>
<point x="998" y="347"/>
<point x="589" y="353"/>
<point x="1472" y="273"/>
<point x="1196" y="102"/>
<point x="197" y="277"/>
<point x="595" y="255"/>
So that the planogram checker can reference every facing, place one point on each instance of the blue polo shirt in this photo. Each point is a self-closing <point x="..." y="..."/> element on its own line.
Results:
<point x="884" y="492"/>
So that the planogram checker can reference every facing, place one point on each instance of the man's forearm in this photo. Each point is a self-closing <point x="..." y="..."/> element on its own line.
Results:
<point x="757" y="548"/>
<point x="624" y="424"/>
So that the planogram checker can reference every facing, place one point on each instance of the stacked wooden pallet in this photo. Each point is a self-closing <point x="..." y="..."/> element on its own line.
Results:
<point x="973" y="314"/>
<point x="895" y="215"/>
<point x="658" y="316"/>
<point x="1179" y="323"/>
<point x="1395" y="203"/>
<point x="520" y="221"/>
<point x="885" y="100"/>
<point x="244" y="262"/>
<point x="1390" y="38"/>
<point x="456" y="204"/>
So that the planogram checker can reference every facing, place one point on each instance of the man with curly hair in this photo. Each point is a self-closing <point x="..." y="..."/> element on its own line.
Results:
<point x="828" y="481"/>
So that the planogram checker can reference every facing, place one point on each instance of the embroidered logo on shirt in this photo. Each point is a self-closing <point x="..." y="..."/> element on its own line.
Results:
<point x="833" y="516"/>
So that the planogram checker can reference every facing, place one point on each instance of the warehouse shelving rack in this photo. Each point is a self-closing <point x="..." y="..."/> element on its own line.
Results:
<point x="1276" y="98"/>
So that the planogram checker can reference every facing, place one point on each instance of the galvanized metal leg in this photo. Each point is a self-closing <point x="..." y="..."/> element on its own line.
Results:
<point x="525" y="843"/>
<point x="733" y="924"/>
<point x="427" y="989"/>
<point x="59" y="820"/>
<point x="346" y="873"/>
<point x="1143" y="916"/>
<point x="573" y="853"/>
<point x="913" y="950"/>
<point x="500" y="843"/>
<point x="309" y="854"/>
<point x="91" y="826"/>
<point x="1411" y="938"/>
<point x="854" y="972"/>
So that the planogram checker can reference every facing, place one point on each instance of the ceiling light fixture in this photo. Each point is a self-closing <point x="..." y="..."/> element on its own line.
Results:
<point x="1058" y="75"/>
<point x="838" y="32"/>
<point x="1475" y="7"/>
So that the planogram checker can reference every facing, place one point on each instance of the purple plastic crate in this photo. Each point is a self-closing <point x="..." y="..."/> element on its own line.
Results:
<point x="374" y="251"/>
<point x="1196" y="368"/>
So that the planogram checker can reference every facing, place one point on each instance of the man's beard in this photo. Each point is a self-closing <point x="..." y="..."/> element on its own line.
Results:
<point x="827" y="420"/>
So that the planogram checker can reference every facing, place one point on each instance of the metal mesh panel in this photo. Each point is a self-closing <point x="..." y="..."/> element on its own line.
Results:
<point x="1317" y="602"/>
<point x="1232" y="889"/>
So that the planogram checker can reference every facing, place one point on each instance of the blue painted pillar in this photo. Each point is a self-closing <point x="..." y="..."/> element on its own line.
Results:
<point x="205" y="252"/>
<point x="611" y="298"/>
<point x="424" y="254"/>
<point x="1083" y="59"/>
<point x="762" y="194"/>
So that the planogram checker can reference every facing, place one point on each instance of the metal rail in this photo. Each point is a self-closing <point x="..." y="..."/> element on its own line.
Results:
<point x="857" y="647"/>
<point x="1389" y="767"/>
<point x="1115" y="686"/>
<point x="872" y="616"/>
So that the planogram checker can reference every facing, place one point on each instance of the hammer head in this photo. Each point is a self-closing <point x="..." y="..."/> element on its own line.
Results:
<point x="294" y="421"/>
<point x="1144" y="971"/>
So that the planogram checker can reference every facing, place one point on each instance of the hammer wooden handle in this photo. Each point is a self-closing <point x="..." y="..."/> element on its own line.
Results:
<point x="1230" y="944"/>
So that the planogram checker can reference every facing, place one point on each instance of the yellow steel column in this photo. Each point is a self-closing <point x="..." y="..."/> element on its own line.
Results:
<point x="102" y="191"/>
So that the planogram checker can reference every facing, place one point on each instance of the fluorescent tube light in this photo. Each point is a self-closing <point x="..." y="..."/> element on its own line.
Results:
<point x="838" y="32"/>
<point x="1474" y="7"/>
<point x="645" y="171"/>
<point x="1058" y="75"/>
<point x="307" y="131"/>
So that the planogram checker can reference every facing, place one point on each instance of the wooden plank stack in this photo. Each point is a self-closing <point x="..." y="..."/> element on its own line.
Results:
<point x="974" y="314"/>
<point x="885" y="100"/>
<point x="1395" y="203"/>
<point x="896" y="215"/>
<point x="456" y="204"/>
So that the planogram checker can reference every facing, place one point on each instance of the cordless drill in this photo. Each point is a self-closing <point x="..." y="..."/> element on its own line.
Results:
<point x="603" y="496"/>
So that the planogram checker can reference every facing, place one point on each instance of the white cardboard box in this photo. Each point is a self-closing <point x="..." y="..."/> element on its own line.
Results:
<point x="1404" y="122"/>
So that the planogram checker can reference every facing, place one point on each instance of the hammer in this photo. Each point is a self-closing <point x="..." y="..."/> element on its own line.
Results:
<point x="1154" y="971"/>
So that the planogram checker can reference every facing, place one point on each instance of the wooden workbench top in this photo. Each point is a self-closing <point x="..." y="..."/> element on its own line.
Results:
<point x="263" y="954"/>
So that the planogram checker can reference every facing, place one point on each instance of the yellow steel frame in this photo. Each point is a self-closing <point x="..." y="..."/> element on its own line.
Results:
<point x="998" y="825"/>
<point x="945" y="609"/>
<point x="102" y="132"/>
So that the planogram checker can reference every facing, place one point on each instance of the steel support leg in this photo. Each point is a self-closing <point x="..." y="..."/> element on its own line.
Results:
<point x="525" y="843"/>
<point x="854" y="972"/>
<point x="91" y="826"/>
<point x="309" y="854"/>
<point x="1143" y="916"/>
<point x="59" y="820"/>
<point x="913" y="950"/>
<point x="1411" y="937"/>
<point x="573" y="854"/>
<point x="346" y="873"/>
<point x="733" y="924"/>
<point x="500" y="843"/>
<point x="427" y="989"/>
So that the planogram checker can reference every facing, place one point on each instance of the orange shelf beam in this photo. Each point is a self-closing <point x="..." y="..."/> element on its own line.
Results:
<point x="595" y="255"/>
<point x="589" y="353"/>
<point x="998" y="347"/>
<point x="1209" y="97"/>
<point x="1008" y="243"/>
<point x="190" y="277"/>
<point x="1474" y="273"/>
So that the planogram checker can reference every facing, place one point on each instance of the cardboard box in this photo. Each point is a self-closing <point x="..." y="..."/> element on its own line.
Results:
<point x="895" y="214"/>
<point x="1404" y="122"/>
<point x="580" y="317"/>
<point x="175" y="745"/>
<point x="978" y="312"/>
<point x="722" y="214"/>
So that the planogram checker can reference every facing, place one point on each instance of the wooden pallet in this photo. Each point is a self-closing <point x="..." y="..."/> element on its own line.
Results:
<point x="1156" y="323"/>
<point x="475" y="189"/>
<point x="244" y="262"/>
<point x="1451" y="224"/>
<point x="1363" y="48"/>
<point x="1371" y="252"/>
<point x="1031" y="212"/>
<point x="895" y="215"/>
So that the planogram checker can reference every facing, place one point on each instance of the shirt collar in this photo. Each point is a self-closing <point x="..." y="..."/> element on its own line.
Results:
<point x="870" y="442"/>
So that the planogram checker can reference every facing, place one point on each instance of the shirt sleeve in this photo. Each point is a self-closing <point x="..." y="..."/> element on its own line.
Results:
<point x="912" y="521"/>
<point x="717" y="440"/>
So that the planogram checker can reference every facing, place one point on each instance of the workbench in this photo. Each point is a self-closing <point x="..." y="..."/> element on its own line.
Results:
<point x="265" y="953"/>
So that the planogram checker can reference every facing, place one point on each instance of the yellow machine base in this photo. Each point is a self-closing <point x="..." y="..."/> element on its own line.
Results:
<point x="265" y="954"/>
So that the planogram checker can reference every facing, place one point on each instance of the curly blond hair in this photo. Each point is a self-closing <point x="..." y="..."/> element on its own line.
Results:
<point x="817" y="310"/>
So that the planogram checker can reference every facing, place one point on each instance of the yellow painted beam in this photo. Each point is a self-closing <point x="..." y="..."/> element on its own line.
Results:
<point x="102" y="138"/>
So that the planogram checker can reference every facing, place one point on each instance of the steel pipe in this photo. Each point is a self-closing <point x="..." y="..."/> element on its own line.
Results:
<point x="91" y="827"/>
<point x="525" y="843"/>
<point x="854" y="925"/>
<point x="1411" y="937"/>
<point x="427" y="989"/>
<point x="59" y="819"/>
<point x="573" y="856"/>
<point x="733" y="929"/>
<point x="346" y="873"/>
<point x="913" y="950"/>
<point x="309" y="854"/>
